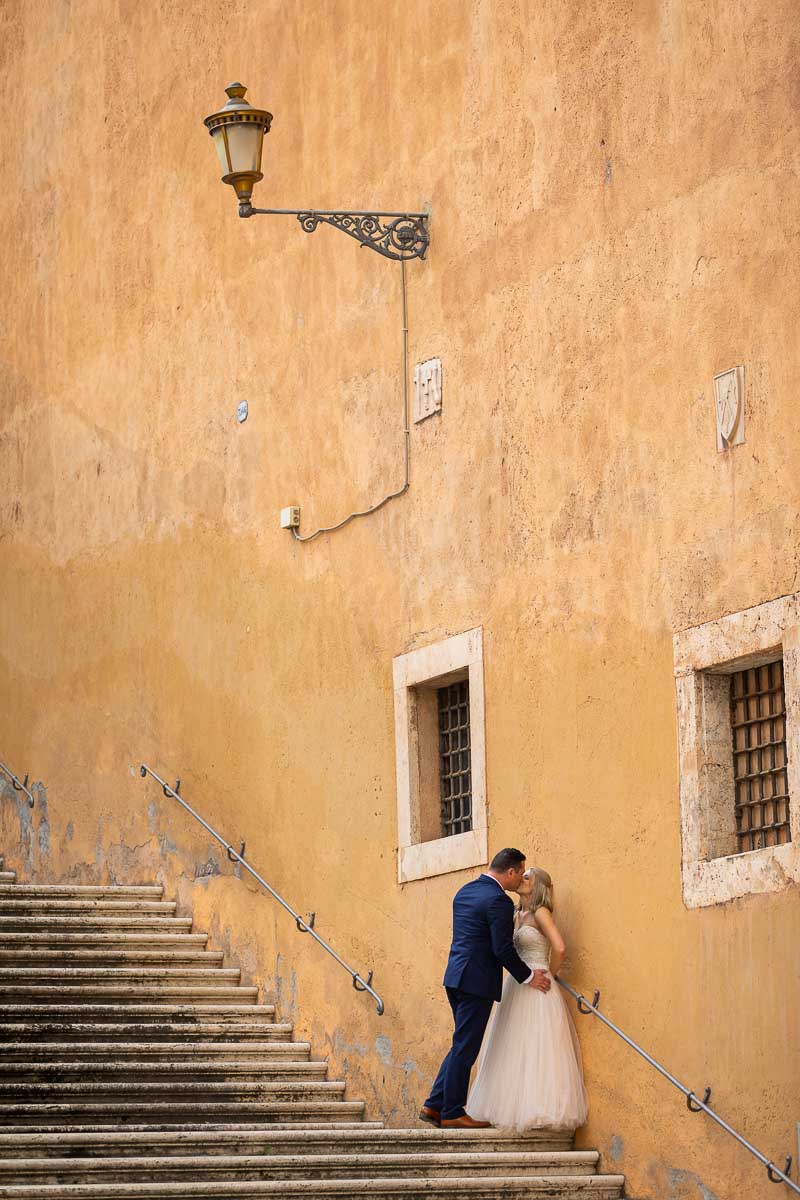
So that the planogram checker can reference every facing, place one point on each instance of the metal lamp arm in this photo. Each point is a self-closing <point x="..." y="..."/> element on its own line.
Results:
<point x="396" y="235"/>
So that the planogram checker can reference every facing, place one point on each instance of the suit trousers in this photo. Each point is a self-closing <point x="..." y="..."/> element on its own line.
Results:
<point x="471" y="1016"/>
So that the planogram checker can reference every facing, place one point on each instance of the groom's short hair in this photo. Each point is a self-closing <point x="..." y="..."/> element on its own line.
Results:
<point x="504" y="860"/>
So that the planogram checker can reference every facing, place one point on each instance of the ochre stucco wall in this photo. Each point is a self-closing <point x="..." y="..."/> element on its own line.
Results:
<point x="615" y="207"/>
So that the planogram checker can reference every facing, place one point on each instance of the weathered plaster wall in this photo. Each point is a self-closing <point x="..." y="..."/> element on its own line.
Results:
<point x="614" y="189"/>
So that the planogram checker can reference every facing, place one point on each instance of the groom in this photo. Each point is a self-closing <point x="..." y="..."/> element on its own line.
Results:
<point x="483" y="943"/>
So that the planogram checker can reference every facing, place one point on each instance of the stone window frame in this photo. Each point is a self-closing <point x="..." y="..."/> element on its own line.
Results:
<point x="704" y="655"/>
<point x="427" y="668"/>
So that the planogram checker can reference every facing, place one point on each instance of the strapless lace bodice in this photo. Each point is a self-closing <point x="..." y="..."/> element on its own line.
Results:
<point x="532" y="946"/>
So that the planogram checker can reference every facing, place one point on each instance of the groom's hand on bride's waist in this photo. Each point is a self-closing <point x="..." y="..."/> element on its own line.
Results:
<point x="540" y="980"/>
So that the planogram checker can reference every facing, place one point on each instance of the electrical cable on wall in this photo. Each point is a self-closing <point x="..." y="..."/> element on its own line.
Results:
<point x="293" y="521"/>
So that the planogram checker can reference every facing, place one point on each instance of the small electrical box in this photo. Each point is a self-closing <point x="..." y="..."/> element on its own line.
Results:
<point x="290" y="517"/>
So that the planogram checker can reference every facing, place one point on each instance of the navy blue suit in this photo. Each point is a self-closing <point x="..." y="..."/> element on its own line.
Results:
<point x="483" y="943"/>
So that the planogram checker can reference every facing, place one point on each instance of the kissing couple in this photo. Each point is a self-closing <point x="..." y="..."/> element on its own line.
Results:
<point x="529" y="1076"/>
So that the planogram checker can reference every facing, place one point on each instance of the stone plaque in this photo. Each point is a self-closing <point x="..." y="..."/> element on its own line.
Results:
<point x="427" y="389"/>
<point x="729" y="404"/>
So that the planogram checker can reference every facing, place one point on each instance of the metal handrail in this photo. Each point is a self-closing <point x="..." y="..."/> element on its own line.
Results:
<point x="20" y="785"/>
<point x="693" y="1103"/>
<point x="303" y="926"/>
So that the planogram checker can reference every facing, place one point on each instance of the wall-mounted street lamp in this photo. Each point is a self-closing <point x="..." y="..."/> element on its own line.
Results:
<point x="238" y="131"/>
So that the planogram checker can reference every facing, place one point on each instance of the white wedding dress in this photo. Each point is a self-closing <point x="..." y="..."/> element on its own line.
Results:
<point x="529" y="1072"/>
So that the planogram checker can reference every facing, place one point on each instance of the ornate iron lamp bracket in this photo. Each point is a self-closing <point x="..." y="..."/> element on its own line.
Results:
<point x="399" y="236"/>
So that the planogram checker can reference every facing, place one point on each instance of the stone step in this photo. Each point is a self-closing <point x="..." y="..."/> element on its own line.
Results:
<point x="51" y="975"/>
<point x="142" y="1052"/>
<point x="100" y="907"/>
<point x="109" y="956"/>
<point x="413" y="1187"/>
<point x="134" y="1014"/>
<point x="7" y="876"/>
<point x="134" y="1064"/>
<point x="51" y="925"/>
<point x="134" y="1072"/>
<point x="191" y="1030"/>
<point x="179" y="1090"/>
<point x="378" y="1164"/>
<point x="312" y="1138"/>
<point x="126" y="994"/>
<point x="76" y="891"/>
<point x="178" y="1108"/>
<point x="91" y="939"/>
<point x="15" y="1133"/>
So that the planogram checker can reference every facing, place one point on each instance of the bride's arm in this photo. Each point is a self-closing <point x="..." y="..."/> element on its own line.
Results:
<point x="544" y="920"/>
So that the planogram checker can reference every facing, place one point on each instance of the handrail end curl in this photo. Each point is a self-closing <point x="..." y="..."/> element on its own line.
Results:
<point x="362" y="985"/>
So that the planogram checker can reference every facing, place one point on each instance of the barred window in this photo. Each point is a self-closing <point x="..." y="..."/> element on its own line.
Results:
<point x="758" y="725"/>
<point x="455" y="766"/>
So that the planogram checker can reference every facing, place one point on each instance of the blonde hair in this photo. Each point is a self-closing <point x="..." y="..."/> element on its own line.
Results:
<point x="542" y="894"/>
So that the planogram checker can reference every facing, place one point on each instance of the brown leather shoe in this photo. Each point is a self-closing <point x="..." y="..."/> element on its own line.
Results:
<point x="466" y="1122"/>
<point x="431" y="1116"/>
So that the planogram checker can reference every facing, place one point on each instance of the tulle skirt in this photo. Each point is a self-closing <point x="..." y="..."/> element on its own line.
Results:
<point x="529" y="1073"/>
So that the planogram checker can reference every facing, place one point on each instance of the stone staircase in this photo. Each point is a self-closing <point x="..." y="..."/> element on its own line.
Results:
<point x="134" y="1064"/>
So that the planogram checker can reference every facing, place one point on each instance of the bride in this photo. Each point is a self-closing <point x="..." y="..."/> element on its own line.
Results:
<point x="529" y="1075"/>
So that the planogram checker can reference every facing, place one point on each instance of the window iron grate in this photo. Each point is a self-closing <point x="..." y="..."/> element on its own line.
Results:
<point x="455" y="759"/>
<point x="758" y="728"/>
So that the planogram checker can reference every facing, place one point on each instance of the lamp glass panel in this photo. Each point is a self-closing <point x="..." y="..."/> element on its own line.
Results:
<point x="218" y="138"/>
<point x="244" y="142"/>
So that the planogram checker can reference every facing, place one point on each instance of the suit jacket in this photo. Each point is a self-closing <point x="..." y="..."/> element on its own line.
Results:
<point x="483" y="940"/>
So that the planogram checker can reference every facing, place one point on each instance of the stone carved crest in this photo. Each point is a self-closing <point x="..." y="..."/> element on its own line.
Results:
<point x="729" y="403"/>
<point x="427" y="388"/>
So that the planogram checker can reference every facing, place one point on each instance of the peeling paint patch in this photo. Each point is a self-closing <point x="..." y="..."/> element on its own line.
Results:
<point x="43" y="833"/>
<point x="69" y="833"/>
<point x="616" y="1148"/>
<point x="383" y="1049"/>
<point x="341" y="1045"/>
<point x="678" y="1180"/>
<point x="25" y="818"/>
<point x="207" y="869"/>
<point x="286" y="1004"/>
<point x="167" y="845"/>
